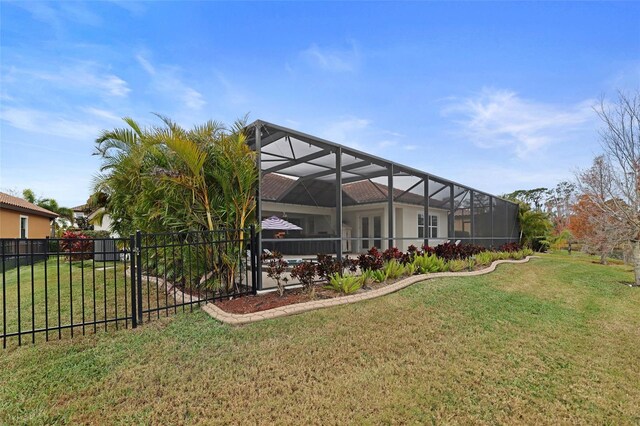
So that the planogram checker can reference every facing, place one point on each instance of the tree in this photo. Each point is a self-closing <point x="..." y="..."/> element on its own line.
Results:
<point x="612" y="184"/>
<point x="169" y="178"/>
<point x="534" y="226"/>
<point x="558" y="204"/>
<point x="533" y="197"/>
<point x="598" y="230"/>
<point x="534" y="222"/>
<point x="66" y="217"/>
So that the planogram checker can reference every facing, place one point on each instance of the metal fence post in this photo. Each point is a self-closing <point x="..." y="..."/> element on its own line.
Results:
<point x="132" y="260"/>
<point x="254" y="272"/>
<point x="139" y="273"/>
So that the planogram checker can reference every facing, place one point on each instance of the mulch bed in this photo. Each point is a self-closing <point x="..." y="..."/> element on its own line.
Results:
<point x="262" y="302"/>
<point x="250" y="304"/>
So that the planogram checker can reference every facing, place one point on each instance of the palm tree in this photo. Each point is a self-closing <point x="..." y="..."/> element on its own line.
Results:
<point x="64" y="213"/>
<point x="534" y="225"/>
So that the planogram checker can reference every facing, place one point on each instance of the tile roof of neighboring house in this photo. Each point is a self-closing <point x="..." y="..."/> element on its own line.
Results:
<point x="14" y="203"/>
<point x="80" y="208"/>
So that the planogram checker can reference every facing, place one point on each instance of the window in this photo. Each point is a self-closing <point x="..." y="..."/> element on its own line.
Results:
<point x="433" y="226"/>
<point x="24" y="227"/>
<point x="377" y="231"/>
<point x="365" y="232"/>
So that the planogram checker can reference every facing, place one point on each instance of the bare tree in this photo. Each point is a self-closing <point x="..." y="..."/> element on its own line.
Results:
<point x="613" y="182"/>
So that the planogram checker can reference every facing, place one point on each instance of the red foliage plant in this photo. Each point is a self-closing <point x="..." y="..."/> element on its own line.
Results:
<point x="77" y="245"/>
<point x="371" y="260"/>
<point x="510" y="247"/>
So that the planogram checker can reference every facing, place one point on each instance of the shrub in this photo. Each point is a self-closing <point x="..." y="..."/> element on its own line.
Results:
<point x="305" y="272"/>
<point x="350" y="264"/>
<point x="378" y="275"/>
<point x="410" y="269"/>
<point x="77" y="245"/>
<point x="392" y="253"/>
<point x="510" y="247"/>
<point x="328" y="265"/>
<point x="517" y="255"/>
<point x="96" y="234"/>
<point x="471" y="263"/>
<point x="428" y="249"/>
<point x="367" y="277"/>
<point x="372" y="260"/>
<point x="457" y="265"/>
<point x="275" y="268"/>
<point x="501" y="255"/>
<point x="393" y="269"/>
<point x="527" y="252"/>
<point x="449" y="251"/>
<point x="344" y="284"/>
<point x="429" y="263"/>
<point x="485" y="258"/>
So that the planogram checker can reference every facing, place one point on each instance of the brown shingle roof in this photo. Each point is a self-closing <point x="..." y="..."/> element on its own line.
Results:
<point x="275" y="186"/>
<point x="14" y="203"/>
<point x="365" y="191"/>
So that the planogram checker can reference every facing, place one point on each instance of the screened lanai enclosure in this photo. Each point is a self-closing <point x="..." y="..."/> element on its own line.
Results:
<point x="346" y="201"/>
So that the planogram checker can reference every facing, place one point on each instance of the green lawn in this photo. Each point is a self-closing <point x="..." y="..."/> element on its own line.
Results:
<point x="59" y="288"/>
<point x="556" y="340"/>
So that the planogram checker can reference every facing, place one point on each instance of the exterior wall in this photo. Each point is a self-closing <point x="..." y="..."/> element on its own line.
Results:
<point x="315" y="220"/>
<point x="105" y="225"/>
<point x="38" y="226"/>
<point x="409" y="234"/>
<point x="319" y="220"/>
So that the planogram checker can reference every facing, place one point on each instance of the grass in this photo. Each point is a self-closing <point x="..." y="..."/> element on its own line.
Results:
<point x="556" y="340"/>
<point x="59" y="289"/>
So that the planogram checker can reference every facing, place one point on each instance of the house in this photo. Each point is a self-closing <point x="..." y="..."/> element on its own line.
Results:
<point x="347" y="201"/>
<point x="101" y="221"/>
<point x="79" y="212"/>
<point x="22" y="219"/>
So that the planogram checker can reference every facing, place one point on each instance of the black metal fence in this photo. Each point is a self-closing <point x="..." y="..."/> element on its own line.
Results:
<point x="57" y="287"/>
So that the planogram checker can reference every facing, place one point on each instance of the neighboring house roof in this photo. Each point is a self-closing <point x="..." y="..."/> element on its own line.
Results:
<point x="10" y="202"/>
<point x="80" y="208"/>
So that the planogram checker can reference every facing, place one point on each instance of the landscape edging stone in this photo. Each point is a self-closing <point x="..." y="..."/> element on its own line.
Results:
<point x="240" y="319"/>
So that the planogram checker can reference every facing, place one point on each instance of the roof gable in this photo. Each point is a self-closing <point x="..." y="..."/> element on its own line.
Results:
<point x="10" y="202"/>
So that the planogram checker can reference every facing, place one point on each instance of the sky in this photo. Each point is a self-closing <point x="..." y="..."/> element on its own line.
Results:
<point x="497" y="96"/>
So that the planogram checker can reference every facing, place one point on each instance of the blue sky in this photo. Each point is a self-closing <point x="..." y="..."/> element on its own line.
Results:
<point x="493" y="95"/>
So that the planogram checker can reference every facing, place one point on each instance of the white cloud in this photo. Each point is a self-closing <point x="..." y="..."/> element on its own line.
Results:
<point x="331" y="59"/>
<point x="102" y="114"/>
<point x="501" y="118"/>
<point x="50" y="123"/>
<point x="82" y="76"/>
<point x="165" y="79"/>
<point x="55" y="14"/>
<point x="347" y="131"/>
<point x="233" y="93"/>
<point x="146" y="65"/>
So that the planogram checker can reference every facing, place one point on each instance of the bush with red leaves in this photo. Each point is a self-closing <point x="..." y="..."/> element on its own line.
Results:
<point x="77" y="245"/>
<point x="510" y="247"/>
<point x="372" y="260"/>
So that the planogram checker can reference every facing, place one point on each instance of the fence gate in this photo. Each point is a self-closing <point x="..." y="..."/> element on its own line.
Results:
<point x="55" y="287"/>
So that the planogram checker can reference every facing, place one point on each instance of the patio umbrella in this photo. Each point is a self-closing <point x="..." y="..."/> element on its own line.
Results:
<point x="276" y="224"/>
